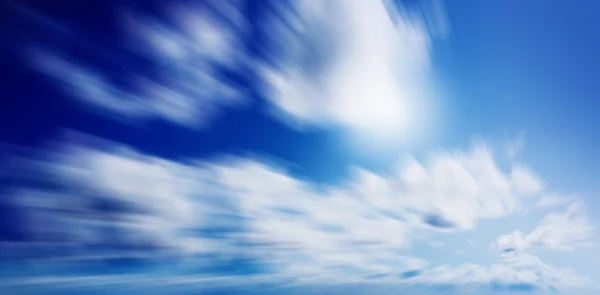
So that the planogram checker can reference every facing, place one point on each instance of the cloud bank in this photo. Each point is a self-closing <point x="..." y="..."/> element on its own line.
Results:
<point x="112" y="200"/>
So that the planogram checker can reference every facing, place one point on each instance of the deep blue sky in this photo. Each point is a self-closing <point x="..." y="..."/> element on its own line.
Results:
<point x="510" y="67"/>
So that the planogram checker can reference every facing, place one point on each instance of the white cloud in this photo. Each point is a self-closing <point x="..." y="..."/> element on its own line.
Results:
<point x="85" y="84"/>
<point x="182" y="79"/>
<point x="562" y="231"/>
<point x="525" y="181"/>
<point x="460" y="188"/>
<point x="363" y="227"/>
<point x="321" y="63"/>
<point x="357" y="64"/>
<point x="514" y="272"/>
<point x="434" y="12"/>
<point x="512" y="242"/>
<point x="333" y="230"/>
<point x="566" y="230"/>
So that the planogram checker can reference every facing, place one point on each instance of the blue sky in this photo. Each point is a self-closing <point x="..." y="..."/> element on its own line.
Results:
<point x="312" y="146"/>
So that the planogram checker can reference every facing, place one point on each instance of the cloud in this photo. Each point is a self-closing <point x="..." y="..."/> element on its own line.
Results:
<point x="560" y="231"/>
<point x="333" y="231"/>
<point x="454" y="190"/>
<point x="318" y="64"/>
<point x="512" y="242"/>
<point x="180" y="70"/>
<point x="526" y="182"/>
<point x="245" y="209"/>
<point x="335" y="70"/>
<point x="513" y="272"/>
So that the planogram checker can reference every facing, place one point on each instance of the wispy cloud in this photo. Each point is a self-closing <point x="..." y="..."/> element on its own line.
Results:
<point x="512" y="272"/>
<point x="561" y="231"/>
<point x="181" y="69"/>
<point x="244" y="209"/>
<point x="318" y="64"/>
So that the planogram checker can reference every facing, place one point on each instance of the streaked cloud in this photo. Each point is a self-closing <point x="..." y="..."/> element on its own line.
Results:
<point x="560" y="231"/>
<point x="182" y="71"/>
<point x="251" y="212"/>
<point x="512" y="272"/>
<point x="78" y="212"/>
<point x="317" y="64"/>
<point x="361" y="65"/>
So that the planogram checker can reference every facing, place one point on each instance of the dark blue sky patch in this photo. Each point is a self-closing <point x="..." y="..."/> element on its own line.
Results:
<point x="410" y="274"/>
<point x="512" y="287"/>
<point x="436" y="220"/>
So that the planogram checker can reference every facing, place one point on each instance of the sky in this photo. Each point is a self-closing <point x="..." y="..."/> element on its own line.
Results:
<point x="299" y="147"/>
